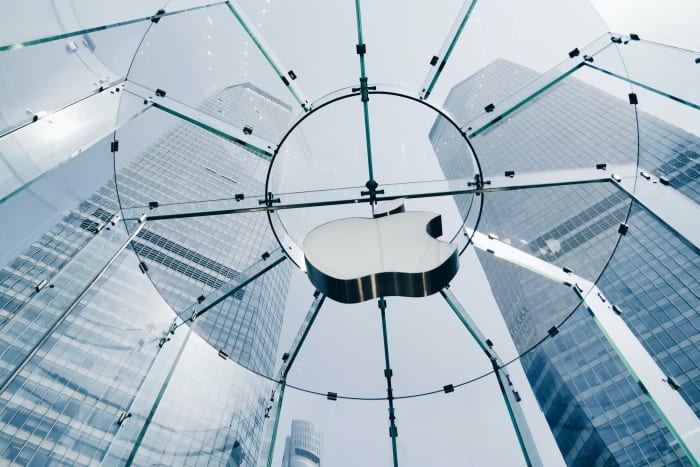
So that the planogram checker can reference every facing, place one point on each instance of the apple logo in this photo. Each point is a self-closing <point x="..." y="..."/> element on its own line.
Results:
<point x="395" y="253"/>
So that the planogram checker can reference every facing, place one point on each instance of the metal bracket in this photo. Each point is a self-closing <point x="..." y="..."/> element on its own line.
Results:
<point x="123" y="417"/>
<point x="269" y="200"/>
<point x="364" y="89"/>
<point x="372" y="191"/>
<point x="478" y="182"/>
<point x="159" y="14"/>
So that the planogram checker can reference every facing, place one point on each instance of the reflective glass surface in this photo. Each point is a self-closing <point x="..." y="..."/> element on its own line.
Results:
<point x="162" y="162"/>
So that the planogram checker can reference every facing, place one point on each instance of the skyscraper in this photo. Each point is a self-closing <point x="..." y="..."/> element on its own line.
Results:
<point x="599" y="415"/>
<point x="106" y="381"/>
<point x="302" y="448"/>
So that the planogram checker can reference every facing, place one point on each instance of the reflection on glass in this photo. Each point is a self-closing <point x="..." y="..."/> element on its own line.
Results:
<point x="53" y="139"/>
<point x="65" y="404"/>
<point x="641" y="59"/>
<point x="83" y="17"/>
<point x="209" y="410"/>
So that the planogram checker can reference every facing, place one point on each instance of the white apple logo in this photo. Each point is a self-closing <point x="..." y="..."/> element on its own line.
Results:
<point x="356" y="259"/>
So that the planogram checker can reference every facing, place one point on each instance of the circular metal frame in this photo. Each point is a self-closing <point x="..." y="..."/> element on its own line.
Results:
<point x="293" y="251"/>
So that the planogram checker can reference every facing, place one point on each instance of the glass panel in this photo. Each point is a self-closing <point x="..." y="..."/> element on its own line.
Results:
<point x="653" y="279"/>
<point x="29" y="326"/>
<point x="365" y="421"/>
<point x="322" y="57"/>
<point x="669" y="162"/>
<point x="411" y="35"/>
<point x="188" y="269"/>
<point x="65" y="404"/>
<point x="218" y="419"/>
<point x="228" y="401"/>
<point x="223" y="63"/>
<point x="439" y="60"/>
<point x="37" y="148"/>
<point x="488" y="101"/>
<point x="247" y="324"/>
<point x="457" y="428"/>
<point x="641" y="59"/>
<point x="503" y="31"/>
<point x="592" y="424"/>
<point x="328" y="362"/>
<point x="285" y="74"/>
<point x="565" y="111"/>
<point x="79" y="16"/>
<point x="150" y="164"/>
<point x="415" y="190"/>
<point x="51" y="197"/>
<point x="188" y="259"/>
<point x="79" y="68"/>
<point x="581" y="240"/>
<point x="669" y="145"/>
<point x="240" y="133"/>
<point x="316" y="157"/>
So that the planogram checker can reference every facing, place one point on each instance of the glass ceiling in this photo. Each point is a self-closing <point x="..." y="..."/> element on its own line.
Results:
<point x="171" y="158"/>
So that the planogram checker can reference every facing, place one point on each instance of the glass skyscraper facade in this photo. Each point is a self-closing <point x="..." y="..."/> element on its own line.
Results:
<point x="108" y="381"/>
<point x="599" y="415"/>
<point x="303" y="447"/>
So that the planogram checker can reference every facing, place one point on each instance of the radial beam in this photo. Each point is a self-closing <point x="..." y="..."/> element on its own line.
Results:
<point x="439" y="61"/>
<point x="154" y="18"/>
<point x="675" y="210"/>
<point x="496" y="111"/>
<point x="678" y="416"/>
<point x="46" y="112"/>
<point x="242" y="136"/>
<point x="267" y="262"/>
<point x="388" y="374"/>
<point x="512" y="180"/>
<point x="354" y="195"/>
<point x="510" y="396"/>
<point x="640" y="84"/>
<point x="303" y="332"/>
<point x="53" y="139"/>
<point x="287" y="75"/>
<point x="361" y="50"/>
<point x="173" y="365"/>
<point x="288" y="359"/>
<point x="171" y="347"/>
<point x="675" y="80"/>
<point x="25" y="332"/>
<point x="267" y="450"/>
